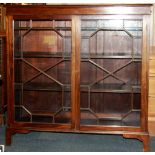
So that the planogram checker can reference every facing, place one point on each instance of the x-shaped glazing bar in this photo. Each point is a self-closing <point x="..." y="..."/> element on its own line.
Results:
<point x="51" y="78"/>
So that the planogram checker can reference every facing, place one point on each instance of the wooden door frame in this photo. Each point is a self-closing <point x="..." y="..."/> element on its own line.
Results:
<point x="74" y="74"/>
<point x="75" y="71"/>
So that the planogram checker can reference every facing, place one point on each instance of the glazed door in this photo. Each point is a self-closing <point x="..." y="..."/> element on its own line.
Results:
<point x="111" y="64"/>
<point x="42" y="70"/>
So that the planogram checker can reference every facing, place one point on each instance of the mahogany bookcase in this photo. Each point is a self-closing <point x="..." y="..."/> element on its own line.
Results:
<point x="78" y="68"/>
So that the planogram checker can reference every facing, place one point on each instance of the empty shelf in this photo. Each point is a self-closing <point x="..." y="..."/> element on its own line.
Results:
<point x="110" y="87"/>
<point x="30" y="54"/>
<point x="34" y="86"/>
<point x="110" y="56"/>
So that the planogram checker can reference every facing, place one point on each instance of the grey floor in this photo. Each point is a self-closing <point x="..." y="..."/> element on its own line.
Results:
<point x="67" y="142"/>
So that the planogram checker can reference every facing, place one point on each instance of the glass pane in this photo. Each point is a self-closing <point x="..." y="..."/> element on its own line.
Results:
<point x="42" y="59"/>
<point x="110" y="71"/>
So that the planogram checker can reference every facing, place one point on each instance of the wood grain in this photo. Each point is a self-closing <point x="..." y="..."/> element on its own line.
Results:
<point x="151" y="104"/>
<point x="75" y="80"/>
<point x="144" y="74"/>
<point x="77" y="10"/>
<point x="10" y="70"/>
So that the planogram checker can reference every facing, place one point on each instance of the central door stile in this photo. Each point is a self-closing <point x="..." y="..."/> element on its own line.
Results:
<point x="75" y="71"/>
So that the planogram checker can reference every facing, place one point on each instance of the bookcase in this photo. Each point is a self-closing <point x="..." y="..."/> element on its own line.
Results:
<point x="80" y="69"/>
